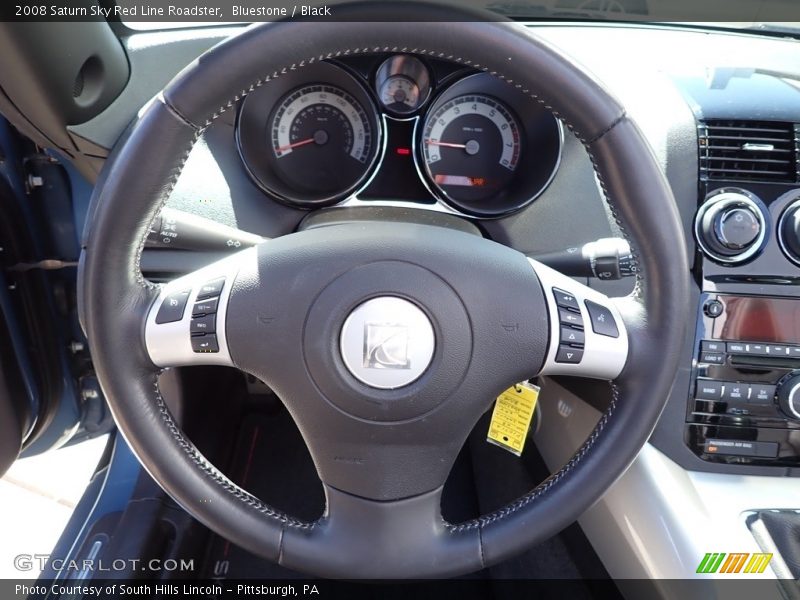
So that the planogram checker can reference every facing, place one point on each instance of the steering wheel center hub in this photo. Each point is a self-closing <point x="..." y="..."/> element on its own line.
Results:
<point x="387" y="342"/>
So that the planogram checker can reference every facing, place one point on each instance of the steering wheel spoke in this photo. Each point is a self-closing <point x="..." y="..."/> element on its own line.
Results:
<point x="379" y="459"/>
<point x="185" y="325"/>
<point x="588" y="337"/>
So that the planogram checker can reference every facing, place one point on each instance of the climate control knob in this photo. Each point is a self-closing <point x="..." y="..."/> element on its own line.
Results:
<point x="789" y="395"/>
<point x="730" y="226"/>
<point x="789" y="232"/>
<point x="736" y="228"/>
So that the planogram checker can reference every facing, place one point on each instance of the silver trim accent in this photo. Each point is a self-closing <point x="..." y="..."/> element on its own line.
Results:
<point x="387" y="342"/>
<point x="781" y="242"/>
<point x="380" y="156"/>
<point x="730" y="197"/>
<point x="169" y="344"/>
<point x="658" y="520"/>
<point x="790" y="401"/>
<point x="441" y="205"/>
<point x="776" y="563"/>
<point x="604" y="357"/>
<point x="751" y="147"/>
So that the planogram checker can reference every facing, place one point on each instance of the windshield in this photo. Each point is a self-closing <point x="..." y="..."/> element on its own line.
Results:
<point x="772" y="16"/>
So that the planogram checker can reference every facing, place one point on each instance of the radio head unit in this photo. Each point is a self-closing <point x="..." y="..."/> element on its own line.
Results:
<point x="744" y="402"/>
<point x="757" y="319"/>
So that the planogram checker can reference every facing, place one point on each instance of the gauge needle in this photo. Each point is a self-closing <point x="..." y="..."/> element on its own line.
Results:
<point x="295" y="145"/>
<point x="445" y="144"/>
<point x="471" y="147"/>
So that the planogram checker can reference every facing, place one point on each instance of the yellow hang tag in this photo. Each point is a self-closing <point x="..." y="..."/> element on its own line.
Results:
<point x="511" y="417"/>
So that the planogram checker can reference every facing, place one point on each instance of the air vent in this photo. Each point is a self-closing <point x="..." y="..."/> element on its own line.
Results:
<point x="749" y="150"/>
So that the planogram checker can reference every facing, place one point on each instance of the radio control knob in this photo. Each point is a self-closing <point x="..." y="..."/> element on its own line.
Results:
<point x="789" y="396"/>
<point x="789" y="232"/>
<point x="730" y="226"/>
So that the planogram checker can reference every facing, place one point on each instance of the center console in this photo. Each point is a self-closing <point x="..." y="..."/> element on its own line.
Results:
<point x="743" y="405"/>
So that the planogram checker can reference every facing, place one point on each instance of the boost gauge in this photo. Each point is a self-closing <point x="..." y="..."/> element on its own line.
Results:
<point x="403" y="84"/>
<point x="400" y="93"/>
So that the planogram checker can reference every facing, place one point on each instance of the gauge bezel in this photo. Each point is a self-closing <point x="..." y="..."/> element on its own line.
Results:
<point x="534" y="122"/>
<point x="254" y="132"/>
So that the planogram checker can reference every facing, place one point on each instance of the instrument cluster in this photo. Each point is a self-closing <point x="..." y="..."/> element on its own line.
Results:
<point x="395" y="128"/>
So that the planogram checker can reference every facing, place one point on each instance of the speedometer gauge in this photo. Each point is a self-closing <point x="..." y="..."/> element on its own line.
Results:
<point x="321" y="140"/>
<point x="311" y="138"/>
<point x="471" y="147"/>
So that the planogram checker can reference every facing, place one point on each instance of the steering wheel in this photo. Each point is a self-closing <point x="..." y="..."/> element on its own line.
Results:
<point x="319" y="315"/>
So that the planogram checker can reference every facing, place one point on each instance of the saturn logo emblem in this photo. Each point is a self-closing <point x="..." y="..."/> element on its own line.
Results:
<point x="387" y="342"/>
<point x="386" y="346"/>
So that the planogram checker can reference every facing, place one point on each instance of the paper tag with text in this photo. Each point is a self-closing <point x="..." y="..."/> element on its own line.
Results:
<point x="511" y="417"/>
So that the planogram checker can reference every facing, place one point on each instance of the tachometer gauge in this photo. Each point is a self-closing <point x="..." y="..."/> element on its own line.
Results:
<point x="471" y="147"/>
<point x="321" y="140"/>
<point x="485" y="148"/>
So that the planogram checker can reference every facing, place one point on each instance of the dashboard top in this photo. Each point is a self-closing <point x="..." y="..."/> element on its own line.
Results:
<point x="395" y="128"/>
<point x="673" y="83"/>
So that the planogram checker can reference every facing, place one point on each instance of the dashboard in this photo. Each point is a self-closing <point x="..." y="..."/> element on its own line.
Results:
<point x="398" y="128"/>
<point x="372" y="132"/>
<point x="728" y="440"/>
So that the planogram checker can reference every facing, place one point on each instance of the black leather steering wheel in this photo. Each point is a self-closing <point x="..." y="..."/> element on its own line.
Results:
<point x="383" y="452"/>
